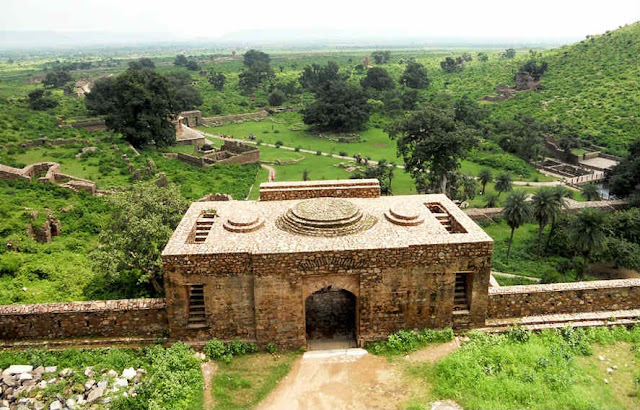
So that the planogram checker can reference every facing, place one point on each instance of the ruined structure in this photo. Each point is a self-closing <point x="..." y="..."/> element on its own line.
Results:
<point x="301" y="264"/>
<point x="48" y="172"/>
<point x="231" y="152"/>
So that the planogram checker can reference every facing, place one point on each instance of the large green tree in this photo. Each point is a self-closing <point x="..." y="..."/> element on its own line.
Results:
<point x="315" y="76"/>
<point x="415" y="76"/>
<point x="140" y="104"/>
<point x="432" y="143"/>
<point x="142" y="220"/>
<point x="378" y="78"/>
<point x="257" y="71"/>
<point x="57" y="77"/>
<point x="338" y="107"/>
<point x="625" y="177"/>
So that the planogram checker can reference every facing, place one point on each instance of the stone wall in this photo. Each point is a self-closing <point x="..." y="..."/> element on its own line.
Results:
<point x="109" y="318"/>
<point x="578" y="297"/>
<point x="348" y="188"/>
<point x="258" y="114"/>
<point x="261" y="297"/>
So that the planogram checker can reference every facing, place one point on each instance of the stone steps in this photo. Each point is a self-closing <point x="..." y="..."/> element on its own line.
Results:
<point x="554" y="321"/>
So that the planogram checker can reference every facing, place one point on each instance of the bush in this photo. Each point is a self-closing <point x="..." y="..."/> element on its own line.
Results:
<point x="318" y="153"/>
<point x="271" y="348"/>
<point x="343" y="154"/>
<point x="216" y="349"/>
<point x="406" y="341"/>
<point x="279" y="144"/>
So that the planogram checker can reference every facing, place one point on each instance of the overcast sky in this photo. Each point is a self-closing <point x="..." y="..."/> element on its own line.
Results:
<point x="425" y="18"/>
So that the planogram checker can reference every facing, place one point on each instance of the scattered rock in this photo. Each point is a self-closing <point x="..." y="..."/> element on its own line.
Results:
<point x="38" y="405"/>
<point x="614" y="367"/>
<point x="601" y="358"/>
<point x="65" y="372"/>
<point x="129" y="373"/>
<point x="444" y="405"/>
<point x="121" y="382"/>
<point x="609" y="370"/>
<point x="70" y="403"/>
<point x="606" y="381"/>
<point x="51" y="369"/>
<point x="95" y="394"/>
<point x="56" y="405"/>
<point x="89" y="384"/>
<point x="112" y="373"/>
<point x="17" y="369"/>
<point x="25" y="376"/>
<point x="89" y="372"/>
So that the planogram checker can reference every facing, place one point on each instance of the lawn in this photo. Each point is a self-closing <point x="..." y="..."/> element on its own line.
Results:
<point x="246" y="380"/>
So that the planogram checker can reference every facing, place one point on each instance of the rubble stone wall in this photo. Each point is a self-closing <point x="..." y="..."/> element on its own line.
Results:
<point x="109" y="318"/>
<point x="578" y="297"/>
<point x="281" y="191"/>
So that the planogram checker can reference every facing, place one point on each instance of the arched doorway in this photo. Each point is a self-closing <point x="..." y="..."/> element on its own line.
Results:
<point x="330" y="319"/>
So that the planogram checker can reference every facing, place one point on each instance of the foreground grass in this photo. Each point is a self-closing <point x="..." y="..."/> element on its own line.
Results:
<point x="549" y="370"/>
<point x="246" y="380"/>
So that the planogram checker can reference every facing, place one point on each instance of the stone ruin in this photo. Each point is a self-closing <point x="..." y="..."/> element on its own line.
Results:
<point x="231" y="152"/>
<point x="45" y="232"/>
<point x="524" y="82"/>
<point x="52" y="174"/>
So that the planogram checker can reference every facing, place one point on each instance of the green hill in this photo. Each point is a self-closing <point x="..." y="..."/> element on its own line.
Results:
<point x="592" y="85"/>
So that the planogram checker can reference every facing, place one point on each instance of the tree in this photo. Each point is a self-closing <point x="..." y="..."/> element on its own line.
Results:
<point x="378" y="78"/>
<point x="503" y="183"/>
<point x="516" y="212"/>
<point x="485" y="176"/>
<point x="142" y="63"/>
<point x="382" y="171"/>
<point x="483" y="57"/>
<point x="468" y="111"/>
<point x="58" y="77"/>
<point x="415" y="76"/>
<point x="545" y="208"/>
<point x="381" y="57"/>
<point x="509" y="53"/>
<point x="141" y="103"/>
<point x="409" y="99"/>
<point x="432" y="143"/>
<point x="338" y="107"/>
<point x="587" y="235"/>
<point x="193" y="65"/>
<point x="450" y="65"/>
<point x="466" y="57"/>
<point x="216" y="79"/>
<point x="559" y="194"/>
<point x="276" y="98"/>
<point x="41" y="100"/>
<point x="257" y="71"/>
<point x="522" y="136"/>
<point x="315" y="76"/>
<point x="305" y="174"/>
<point x="180" y="60"/>
<point x="468" y="187"/>
<point x="591" y="192"/>
<point x="534" y="68"/>
<point x="625" y="177"/>
<point x="142" y="221"/>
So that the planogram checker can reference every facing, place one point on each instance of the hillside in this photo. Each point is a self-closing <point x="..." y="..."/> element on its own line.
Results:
<point x="592" y="85"/>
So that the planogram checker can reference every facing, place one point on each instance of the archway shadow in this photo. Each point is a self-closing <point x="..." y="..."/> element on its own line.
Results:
<point x="330" y="319"/>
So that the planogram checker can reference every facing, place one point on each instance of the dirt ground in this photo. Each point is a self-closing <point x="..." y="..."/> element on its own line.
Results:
<point x="346" y="381"/>
<point x="339" y="382"/>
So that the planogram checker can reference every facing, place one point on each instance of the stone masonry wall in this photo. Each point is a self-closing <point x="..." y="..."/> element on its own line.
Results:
<point x="262" y="297"/>
<point x="109" y="318"/>
<point x="352" y="188"/>
<point x="528" y="300"/>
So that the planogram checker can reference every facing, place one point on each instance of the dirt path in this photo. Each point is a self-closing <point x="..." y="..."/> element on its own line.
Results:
<point x="208" y="369"/>
<point x="339" y="382"/>
<point x="272" y="172"/>
<point x="434" y="353"/>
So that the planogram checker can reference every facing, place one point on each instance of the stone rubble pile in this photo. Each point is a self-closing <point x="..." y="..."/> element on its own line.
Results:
<point x="22" y="387"/>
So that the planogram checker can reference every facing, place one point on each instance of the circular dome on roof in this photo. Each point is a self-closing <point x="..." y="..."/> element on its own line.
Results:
<point x="405" y="214"/>
<point x="243" y="221"/>
<point x="325" y="217"/>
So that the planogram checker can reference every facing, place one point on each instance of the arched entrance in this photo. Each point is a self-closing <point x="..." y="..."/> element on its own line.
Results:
<point x="330" y="319"/>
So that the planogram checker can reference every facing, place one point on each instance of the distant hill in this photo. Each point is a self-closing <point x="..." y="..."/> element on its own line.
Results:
<point x="594" y="85"/>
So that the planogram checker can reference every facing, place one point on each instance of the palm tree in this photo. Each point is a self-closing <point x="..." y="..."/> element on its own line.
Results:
<point x="545" y="208"/>
<point x="503" y="183"/>
<point x="591" y="192"/>
<point x="588" y="234"/>
<point x="560" y="193"/>
<point x="516" y="212"/>
<point x="468" y="187"/>
<point x="485" y="176"/>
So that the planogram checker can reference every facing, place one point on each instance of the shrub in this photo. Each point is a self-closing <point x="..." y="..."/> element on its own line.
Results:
<point x="343" y="153"/>
<point x="271" y="348"/>
<point x="216" y="349"/>
<point x="318" y="153"/>
<point x="297" y="149"/>
<point x="406" y="341"/>
<point x="279" y="144"/>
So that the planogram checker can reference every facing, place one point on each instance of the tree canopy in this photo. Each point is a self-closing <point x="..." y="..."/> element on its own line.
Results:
<point x="257" y="71"/>
<point x="415" y="76"/>
<point x="315" y="76"/>
<point x="141" y="103"/>
<point x="432" y="143"/>
<point x="338" y="107"/>
<point x="381" y="57"/>
<point x="58" y="77"/>
<point x="625" y="177"/>
<point x="378" y="78"/>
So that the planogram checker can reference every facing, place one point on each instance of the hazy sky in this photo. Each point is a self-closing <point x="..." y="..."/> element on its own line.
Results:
<point x="212" y="18"/>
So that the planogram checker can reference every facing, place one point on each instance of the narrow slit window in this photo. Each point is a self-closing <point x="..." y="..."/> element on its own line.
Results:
<point x="197" y="313"/>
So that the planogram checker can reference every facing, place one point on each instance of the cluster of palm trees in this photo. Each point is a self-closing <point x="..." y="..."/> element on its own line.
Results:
<point x="586" y="230"/>
<point x="503" y="183"/>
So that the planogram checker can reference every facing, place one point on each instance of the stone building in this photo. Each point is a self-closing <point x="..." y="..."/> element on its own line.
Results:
<point x="324" y="260"/>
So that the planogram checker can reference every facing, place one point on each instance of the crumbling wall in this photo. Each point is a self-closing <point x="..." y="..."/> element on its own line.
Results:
<point x="347" y="188"/>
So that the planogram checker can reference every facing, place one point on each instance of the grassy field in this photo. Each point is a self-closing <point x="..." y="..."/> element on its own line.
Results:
<point x="246" y="380"/>
<point x="547" y="370"/>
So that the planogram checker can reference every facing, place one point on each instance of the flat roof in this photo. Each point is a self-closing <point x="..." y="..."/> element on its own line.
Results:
<point x="271" y="232"/>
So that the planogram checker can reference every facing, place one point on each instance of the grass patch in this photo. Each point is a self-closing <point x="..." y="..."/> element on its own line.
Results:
<point x="245" y="381"/>
<point x="406" y="341"/>
<point x="536" y="371"/>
